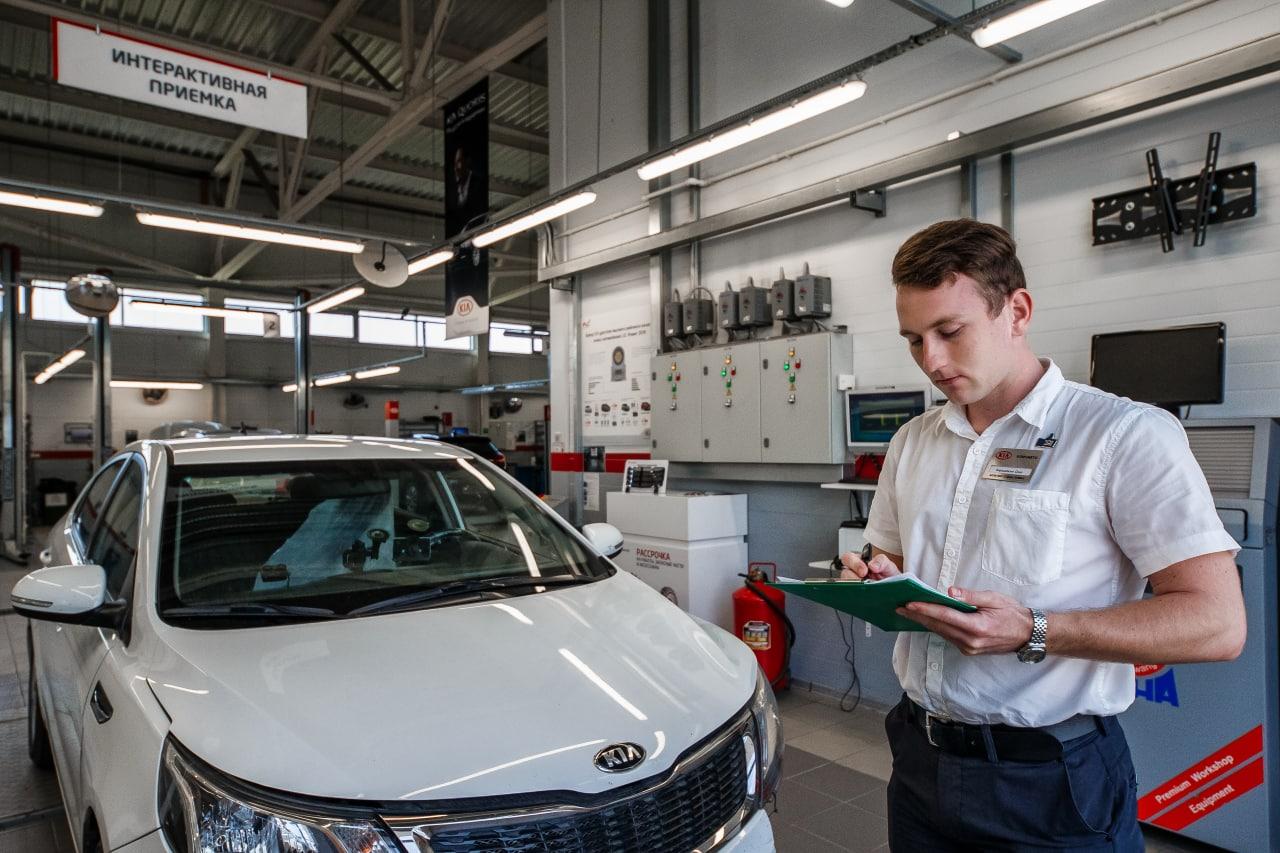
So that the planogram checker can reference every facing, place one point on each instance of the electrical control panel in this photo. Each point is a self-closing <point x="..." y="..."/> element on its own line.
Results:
<point x="782" y="300"/>
<point x="672" y="319"/>
<point x="731" y="403"/>
<point x="699" y="316"/>
<point x="677" y="406"/>
<point x="728" y="309"/>
<point x="756" y="401"/>
<point x="812" y="295"/>
<point x="801" y="410"/>
<point x="754" y="307"/>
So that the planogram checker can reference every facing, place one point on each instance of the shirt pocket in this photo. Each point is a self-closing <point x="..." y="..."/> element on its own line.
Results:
<point x="1025" y="536"/>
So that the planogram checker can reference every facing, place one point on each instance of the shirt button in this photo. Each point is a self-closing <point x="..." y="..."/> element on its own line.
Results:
<point x="951" y="552"/>
<point x="935" y="667"/>
<point x="961" y="499"/>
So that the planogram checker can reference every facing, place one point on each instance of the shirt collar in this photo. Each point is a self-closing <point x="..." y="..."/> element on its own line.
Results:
<point x="1033" y="408"/>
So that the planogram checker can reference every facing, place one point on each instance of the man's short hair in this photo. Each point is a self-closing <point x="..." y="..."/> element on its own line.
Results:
<point x="985" y="253"/>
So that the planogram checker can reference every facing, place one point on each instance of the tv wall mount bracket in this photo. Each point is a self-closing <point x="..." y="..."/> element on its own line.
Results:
<point x="1168" y="208"/>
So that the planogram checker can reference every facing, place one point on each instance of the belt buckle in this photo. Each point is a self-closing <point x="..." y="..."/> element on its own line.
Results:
<point x="928" y="730"/>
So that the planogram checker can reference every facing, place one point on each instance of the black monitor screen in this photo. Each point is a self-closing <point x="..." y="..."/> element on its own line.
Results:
<point x="873" y="418"/>
<point x="1181" y="366"/>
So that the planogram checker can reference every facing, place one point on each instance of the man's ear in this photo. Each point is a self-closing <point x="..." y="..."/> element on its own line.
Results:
<point x="1020" y="306"/>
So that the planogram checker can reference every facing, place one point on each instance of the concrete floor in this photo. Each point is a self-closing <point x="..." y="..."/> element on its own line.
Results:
<point x="832" y="797"/>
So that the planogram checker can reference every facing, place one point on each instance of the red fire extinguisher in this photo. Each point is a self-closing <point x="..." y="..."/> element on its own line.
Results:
<point x="760" y="618"/>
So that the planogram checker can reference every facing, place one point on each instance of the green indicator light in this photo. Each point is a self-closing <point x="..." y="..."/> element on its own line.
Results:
<point x="792" y="377"/>
<point x="670" y="377"/>
<point x="673" y="388"/>
<point x="724" y="372"/>
<point x="728" y="383"/>
<point x="786" y="365"/>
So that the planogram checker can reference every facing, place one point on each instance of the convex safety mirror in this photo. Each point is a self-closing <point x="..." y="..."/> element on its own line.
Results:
<point x="76" y="594"/>
<point x="605" y="538"/>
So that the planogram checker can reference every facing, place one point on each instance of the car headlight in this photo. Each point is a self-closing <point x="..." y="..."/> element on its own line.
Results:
<point x="201" y="812"/>
<point x="764" y="767"/>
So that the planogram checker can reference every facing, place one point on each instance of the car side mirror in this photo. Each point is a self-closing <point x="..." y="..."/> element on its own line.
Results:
<point x="72" y="594"/>
<point x="605" y="538"/>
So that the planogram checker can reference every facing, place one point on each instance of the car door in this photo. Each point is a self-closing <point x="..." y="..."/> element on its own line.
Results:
<point x="68" y="654"/>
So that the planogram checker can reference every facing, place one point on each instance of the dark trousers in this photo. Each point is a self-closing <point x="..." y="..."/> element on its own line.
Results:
<point x="938" y="802"/>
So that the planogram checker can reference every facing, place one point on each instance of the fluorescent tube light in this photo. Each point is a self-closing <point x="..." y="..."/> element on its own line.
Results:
<point x="1035" y="15"/>
<point x="537" y="217"/>
<point x="245" y="232"/>
<point x="204" y="310"/>
<point x="290" y="388"/>
<point x="953" y="136"/>
<point x="53" y="205"/>
<point x="156" y="383"/>
<point x="426" y="262"/>
<point x="806" y="108"/>
<point x="325" y="303"/>
<point x="843" y="4"/>
<point x="333" y="380"/>
<point x="369" y="373"/>
<point x="64" y="361"/>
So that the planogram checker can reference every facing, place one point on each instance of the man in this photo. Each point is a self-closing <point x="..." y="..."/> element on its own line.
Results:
<point x="1048" y="505"/>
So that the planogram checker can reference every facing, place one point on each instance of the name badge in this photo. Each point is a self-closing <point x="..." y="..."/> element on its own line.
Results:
<point x="1012" y="464"/>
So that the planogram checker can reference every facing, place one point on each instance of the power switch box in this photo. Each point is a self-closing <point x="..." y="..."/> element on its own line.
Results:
<point x="754" y="306"/>
<point x="699" y="317"/>
<point x="728" y="309"/>
<point x="812" y="295"/>
<point x="672" y="319"/>
<point x="783" y="299"/>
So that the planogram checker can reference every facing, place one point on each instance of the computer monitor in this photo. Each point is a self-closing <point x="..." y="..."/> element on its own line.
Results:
<point x="872" y="416"/>
<point x="1178" y="366"/>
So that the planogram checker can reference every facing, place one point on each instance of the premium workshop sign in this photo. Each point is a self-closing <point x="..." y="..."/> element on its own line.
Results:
<point x="112" y="64"/>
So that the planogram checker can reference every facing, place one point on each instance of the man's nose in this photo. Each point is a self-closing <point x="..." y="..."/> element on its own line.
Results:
<point x="932" y="357"/>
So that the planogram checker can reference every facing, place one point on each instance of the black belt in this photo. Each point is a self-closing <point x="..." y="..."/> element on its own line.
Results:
<point x="1011" y="743"/>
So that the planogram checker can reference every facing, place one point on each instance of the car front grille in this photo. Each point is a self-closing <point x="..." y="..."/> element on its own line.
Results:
<point x="673" y="817"/>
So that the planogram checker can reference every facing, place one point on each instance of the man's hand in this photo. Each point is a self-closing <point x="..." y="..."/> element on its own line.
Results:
<point x="879" y="567"/>
<point x="999" y="626"/>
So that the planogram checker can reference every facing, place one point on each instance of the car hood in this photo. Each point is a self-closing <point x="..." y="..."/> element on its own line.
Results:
<point x="499" y="697"/>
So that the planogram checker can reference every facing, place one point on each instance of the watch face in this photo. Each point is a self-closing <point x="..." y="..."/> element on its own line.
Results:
<point x="1031" y="655"/>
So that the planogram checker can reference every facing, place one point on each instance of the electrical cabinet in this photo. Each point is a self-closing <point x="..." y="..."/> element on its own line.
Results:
<point x="800" y="409"/>
<point x="755" y="401"/>
<point x="677" y="406"/>
<point x="731" y="403"/>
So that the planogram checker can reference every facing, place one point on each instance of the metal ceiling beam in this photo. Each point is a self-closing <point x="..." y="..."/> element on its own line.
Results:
<point x="430" y="47"/>
<point x="403" y="120"/>
<point x="70" y="13"/>
<point x="363" y="62"/>
<point x="315" y="10"/>
<point x="60" y="236"/>
<point x="938" y="18"/>
<point x="169" y="119"/>
<point x="1245" y="62"/>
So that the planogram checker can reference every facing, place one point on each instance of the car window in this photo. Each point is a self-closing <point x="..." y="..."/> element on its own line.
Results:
<point x="348" y="535"/>
<point x="90" y="507"/>
<point x="116" y="543"/>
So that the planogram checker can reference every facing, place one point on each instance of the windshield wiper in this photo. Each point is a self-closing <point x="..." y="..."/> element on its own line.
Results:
<point x="233" y="611"/>
<point x="475" y="587"/>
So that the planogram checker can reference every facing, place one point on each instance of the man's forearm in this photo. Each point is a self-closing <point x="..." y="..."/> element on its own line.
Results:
<point x="1176" y="627"/>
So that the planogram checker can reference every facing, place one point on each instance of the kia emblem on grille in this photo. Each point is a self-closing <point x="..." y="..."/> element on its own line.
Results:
<point x="619" y="757"/>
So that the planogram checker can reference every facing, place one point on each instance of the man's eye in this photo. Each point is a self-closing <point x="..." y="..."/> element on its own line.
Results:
<point x="950" y="333"/>
<point x="913" y="342"/>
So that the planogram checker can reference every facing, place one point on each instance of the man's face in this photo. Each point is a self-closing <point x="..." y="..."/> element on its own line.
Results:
<point x="965" y="352"/>
<point x="459" y="164"/>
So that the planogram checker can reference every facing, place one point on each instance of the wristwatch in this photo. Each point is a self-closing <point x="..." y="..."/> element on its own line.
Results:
<point x="1033" y="651"/>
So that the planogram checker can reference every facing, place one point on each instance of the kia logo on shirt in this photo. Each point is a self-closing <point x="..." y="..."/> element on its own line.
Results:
<point x="1003" y="455"/>
<point x="619" y="757"/>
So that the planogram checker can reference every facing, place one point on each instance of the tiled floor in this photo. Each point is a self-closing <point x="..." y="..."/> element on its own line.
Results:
<point x="832" y="797"/>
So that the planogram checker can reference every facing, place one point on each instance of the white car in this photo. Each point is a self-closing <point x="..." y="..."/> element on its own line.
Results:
<point x="332" y="645"/>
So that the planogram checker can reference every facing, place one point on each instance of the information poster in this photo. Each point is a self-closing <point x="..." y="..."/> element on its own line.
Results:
<point x="616" y="347"/>
<point x="466" y="204"/>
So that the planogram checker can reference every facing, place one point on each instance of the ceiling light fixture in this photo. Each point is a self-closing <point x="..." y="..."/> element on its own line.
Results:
<point x="434" y="259"/>
<point x="335" y="379"/>
<point x="1029" y="18"/>
<point x="204" y="310"/>
<point x="156" y="383"/>
<point x="245" y="232"/>
<point x="537" y="217"/>
<point x="59" y="364"/>
<point x="370" y="372"/>
<point x="53" y="205"/>
<point x="843" y="4"/>
<point x="290" y="388"/>
<point x="953" y="136"/>
<point x="755" y="128"/>
<point x="324" y="303"/>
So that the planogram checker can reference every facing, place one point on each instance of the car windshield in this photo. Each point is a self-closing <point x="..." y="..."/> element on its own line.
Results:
<point x="307" y="540"/>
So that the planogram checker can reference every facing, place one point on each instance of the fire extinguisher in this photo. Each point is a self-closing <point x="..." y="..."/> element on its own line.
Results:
<point x="759" y="616"/>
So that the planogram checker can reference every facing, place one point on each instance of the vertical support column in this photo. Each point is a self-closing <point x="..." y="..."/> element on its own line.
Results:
<point x="301" y="365"/>
<point x="693" y="96"/>
<point x="969" y="189"/>
<point x="101" y="391"/>
<point x="216" y="355"/>
<point x="10" y="370"/>
<point x="1006" y="191"/>
<point x="659" y="135"/>
<point x="482" y="378"/>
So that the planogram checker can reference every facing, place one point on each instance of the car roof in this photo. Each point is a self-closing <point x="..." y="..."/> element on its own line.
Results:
<point x="284" y="448"/>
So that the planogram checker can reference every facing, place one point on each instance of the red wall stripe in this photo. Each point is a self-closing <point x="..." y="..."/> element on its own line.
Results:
<point x="1212" y="767"/>
<point x="566" y="462"/>
<point x="1214" y="797"/>
<point x="615" y="463"/>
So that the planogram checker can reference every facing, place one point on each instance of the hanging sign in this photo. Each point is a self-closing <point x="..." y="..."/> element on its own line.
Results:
<point x="466" y="203"/>
<point x="101" y="61"/>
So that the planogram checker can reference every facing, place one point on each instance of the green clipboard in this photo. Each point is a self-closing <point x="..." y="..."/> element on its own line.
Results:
<point x="873" y="601"/>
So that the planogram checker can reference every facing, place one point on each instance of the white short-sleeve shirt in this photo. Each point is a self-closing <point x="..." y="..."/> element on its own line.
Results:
<point x="1116" y="495"/>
